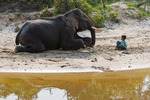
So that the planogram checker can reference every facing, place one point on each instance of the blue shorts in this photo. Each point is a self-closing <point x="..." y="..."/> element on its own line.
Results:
<point x="118" y="42"/>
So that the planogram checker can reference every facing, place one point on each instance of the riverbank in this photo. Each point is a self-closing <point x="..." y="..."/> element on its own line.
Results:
<point x="102" y="57"/>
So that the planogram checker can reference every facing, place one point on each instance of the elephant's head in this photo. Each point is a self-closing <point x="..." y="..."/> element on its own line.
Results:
<point x="80" y="22"/>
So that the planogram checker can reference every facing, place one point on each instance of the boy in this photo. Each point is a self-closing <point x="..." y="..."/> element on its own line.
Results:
<point x="121" y="45"/>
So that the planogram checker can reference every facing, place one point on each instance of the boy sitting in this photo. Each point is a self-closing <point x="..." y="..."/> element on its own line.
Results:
<point x="121" y="45"/>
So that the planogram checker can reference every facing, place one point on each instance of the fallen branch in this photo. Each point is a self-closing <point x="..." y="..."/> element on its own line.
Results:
<point x="142" y="3"/>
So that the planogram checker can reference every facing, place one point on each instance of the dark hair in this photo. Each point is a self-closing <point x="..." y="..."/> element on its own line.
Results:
<point x="123" y="36"/>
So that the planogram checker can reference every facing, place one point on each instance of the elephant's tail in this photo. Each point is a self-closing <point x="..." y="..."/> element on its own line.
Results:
<point x="17" y="39"/>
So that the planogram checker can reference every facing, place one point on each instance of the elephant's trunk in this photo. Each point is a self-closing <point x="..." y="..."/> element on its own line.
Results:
<point x="93" y="30"/>
<point x="93" y="37"/>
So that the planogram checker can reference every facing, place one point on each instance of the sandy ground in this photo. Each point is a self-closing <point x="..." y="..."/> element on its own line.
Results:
<point x="102" y="57"/>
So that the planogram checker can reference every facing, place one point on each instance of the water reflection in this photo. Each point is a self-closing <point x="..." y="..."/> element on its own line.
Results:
<point x="52" y="93"/>
<point x="127" y="85"/>
<point x="10" y="97"/>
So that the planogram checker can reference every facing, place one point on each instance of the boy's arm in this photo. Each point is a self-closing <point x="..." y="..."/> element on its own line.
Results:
<point x="123" y="43"/>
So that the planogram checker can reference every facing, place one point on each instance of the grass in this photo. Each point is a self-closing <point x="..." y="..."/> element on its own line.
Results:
<point x="130" y="4"/>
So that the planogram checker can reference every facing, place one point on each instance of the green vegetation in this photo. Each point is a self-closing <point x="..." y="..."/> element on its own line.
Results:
<point x="136" y="12"/>
<point x="142" y="13"/>
<point x="130" y="4"/>
<point x="98" y="20"/>
<point x="113" y="15"/>
<point x="57" y="7"/>
<point x="107" y="13"/>
<point x="93" y="8"/>
<point x="46" y="12"/>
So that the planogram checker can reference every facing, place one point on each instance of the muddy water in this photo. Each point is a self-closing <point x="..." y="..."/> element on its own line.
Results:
<point x="123" y="85"/>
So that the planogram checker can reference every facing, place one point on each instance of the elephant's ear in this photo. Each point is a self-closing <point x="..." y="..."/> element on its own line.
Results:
<point x="71" y="20"/>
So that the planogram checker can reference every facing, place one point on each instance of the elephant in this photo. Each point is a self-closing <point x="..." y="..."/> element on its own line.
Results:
<point x="52" y="33"/>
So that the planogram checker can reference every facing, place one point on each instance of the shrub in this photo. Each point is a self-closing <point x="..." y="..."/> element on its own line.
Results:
<point x="142" y="14"/>
<point x="130" y="4"/>
<point x="94" y="2"/>
<point x="85" y="7"/>
<point x="98" y="20"/>
<point x="66" y="5"/>
<point x="46" y="13"/>
<point x="63" y="6"/>
<point x="113" y="15"/>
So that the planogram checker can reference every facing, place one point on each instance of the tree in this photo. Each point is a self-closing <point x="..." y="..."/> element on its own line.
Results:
<point x="103" y="1"/>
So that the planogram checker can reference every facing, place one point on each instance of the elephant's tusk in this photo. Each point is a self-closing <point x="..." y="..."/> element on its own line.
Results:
<point x="96" y="30"/>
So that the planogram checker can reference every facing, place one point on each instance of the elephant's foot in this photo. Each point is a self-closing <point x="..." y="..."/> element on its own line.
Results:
<point x="87" y="41"/>
<point x="29" y="48"/>
<point x="20" y="49"/>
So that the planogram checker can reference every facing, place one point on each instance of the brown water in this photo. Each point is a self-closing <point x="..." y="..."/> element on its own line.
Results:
<point x="124" y="85"/>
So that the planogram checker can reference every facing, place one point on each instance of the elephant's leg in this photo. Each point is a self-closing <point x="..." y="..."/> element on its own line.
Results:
<point x="68" y="42"/>
<point x="87" y="40"/>
<point x="33" y="47"/>
<point x="73" y="44"/>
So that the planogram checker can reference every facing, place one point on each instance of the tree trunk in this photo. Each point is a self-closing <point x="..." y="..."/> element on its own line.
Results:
<point x="145" y="4"/>
<point x="103" y="1"/>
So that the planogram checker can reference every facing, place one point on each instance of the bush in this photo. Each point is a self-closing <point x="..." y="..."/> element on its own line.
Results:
<point x="85" y="7"/>
<point x="142" y="14"/>
<point x="63" y="6"/>
<point x="94" y="2"/>
<point x="130" y="4"/>
<point x="98" y="20"/>
<point x="113" y="15"/>
<point x="46" y="13"/>
<point x="66" y="5"/>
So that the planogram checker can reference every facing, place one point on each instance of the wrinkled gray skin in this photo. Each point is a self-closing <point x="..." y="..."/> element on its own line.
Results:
<point x="55" y="33"/>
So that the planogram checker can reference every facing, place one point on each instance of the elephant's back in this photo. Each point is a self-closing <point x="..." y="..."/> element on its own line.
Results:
<point x="46" y="31"/>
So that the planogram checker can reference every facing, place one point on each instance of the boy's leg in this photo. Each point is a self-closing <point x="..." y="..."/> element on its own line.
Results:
<point x="120" y="47"/>
<point x="123" y="48"/>
<point x="118" y="43"/>
<point x="117" y="46"/>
